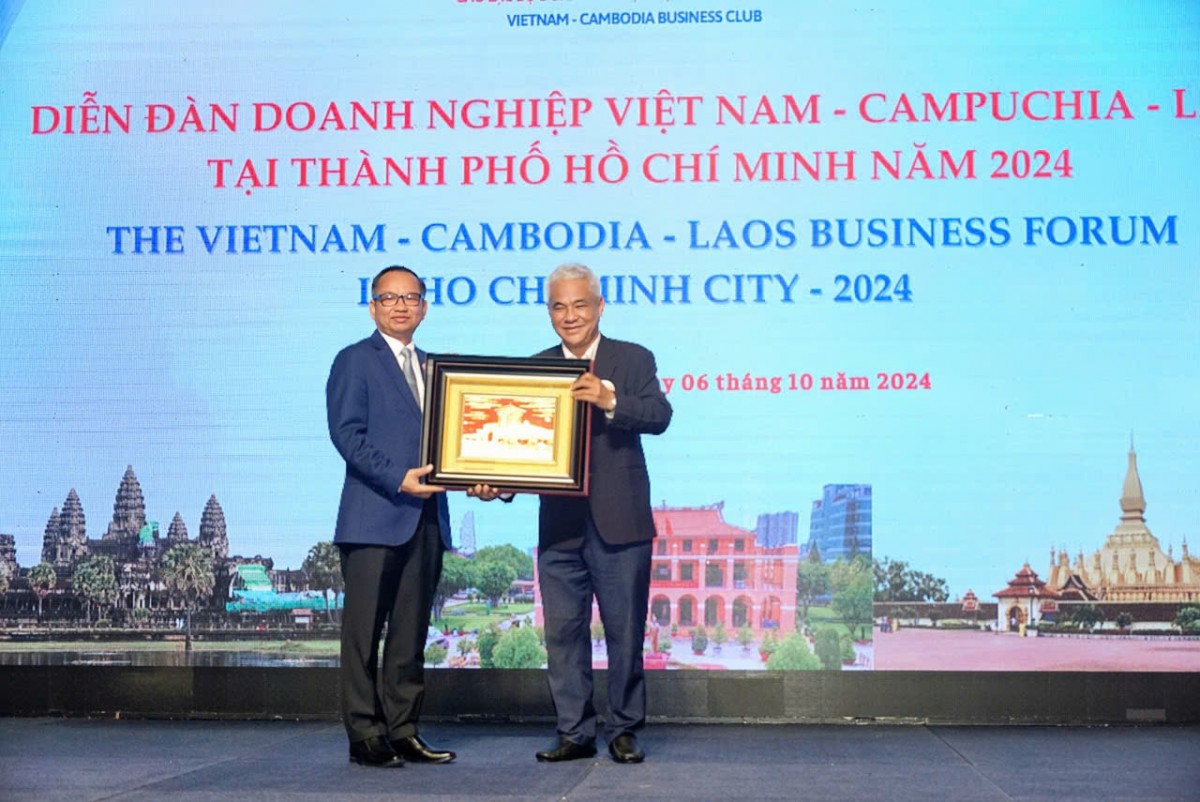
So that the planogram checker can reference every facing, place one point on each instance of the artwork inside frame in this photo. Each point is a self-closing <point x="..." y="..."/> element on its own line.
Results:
<point x="509" y="422"/>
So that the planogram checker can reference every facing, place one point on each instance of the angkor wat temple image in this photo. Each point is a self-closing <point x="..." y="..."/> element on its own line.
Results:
<point x="136" y="548"/>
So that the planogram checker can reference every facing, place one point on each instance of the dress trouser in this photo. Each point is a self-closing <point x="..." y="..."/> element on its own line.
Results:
<point x="619" y="577"/>
<point x="392" y="585"/>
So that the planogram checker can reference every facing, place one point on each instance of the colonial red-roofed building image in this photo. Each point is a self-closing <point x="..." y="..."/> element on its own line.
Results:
<point x="707" y="571"/>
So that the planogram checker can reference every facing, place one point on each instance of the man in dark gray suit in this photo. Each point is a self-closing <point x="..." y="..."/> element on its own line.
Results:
<point x="600" y="545"/>
<point x="392" y="528"/>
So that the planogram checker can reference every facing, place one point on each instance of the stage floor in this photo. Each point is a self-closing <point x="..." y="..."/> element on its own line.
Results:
<point x="44" y="760"/>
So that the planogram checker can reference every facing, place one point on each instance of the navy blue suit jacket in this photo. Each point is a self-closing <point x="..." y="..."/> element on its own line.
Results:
<point x="618" y="482"/>
<point x="375" y="424"/>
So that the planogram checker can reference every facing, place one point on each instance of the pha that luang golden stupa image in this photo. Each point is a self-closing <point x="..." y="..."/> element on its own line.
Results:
<point x="1131" y="566"/>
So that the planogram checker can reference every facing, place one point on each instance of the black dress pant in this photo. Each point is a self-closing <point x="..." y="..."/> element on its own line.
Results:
<point x="387" y="587"/>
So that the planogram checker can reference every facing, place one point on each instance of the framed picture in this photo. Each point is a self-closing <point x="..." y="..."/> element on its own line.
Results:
<point x="508" y="422"/>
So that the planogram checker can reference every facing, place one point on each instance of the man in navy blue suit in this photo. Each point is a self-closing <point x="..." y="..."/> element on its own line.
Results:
<point x="600" y="545"/>
<point x="392" y="528"/>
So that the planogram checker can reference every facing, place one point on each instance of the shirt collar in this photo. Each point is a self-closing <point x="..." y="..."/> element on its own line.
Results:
<point x="396" y="345"/>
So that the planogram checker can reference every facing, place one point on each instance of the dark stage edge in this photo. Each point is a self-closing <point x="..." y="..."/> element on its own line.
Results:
<point x="44" y="760"/>
<point x="472" y="695"/>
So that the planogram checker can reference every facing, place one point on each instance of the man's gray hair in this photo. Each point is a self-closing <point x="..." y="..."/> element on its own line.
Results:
<point x="573" y="270"/>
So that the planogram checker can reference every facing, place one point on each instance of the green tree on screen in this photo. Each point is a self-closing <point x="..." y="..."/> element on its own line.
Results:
<point x="42" y="580"/>
<point x="323" y="566"/>
<point x="519" y="648"/>
<point x="793" y="654"/>
<point x="188" y="576"/>
<point x="95" y="583"/>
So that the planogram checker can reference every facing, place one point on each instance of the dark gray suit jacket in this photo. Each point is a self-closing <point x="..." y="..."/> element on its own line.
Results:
<point x="619" y="485"/>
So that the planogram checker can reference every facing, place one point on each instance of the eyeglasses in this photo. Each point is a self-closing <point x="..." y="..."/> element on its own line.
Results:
<point x="391" y="298"/>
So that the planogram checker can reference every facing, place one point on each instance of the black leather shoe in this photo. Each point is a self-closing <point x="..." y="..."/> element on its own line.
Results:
<point x="624" y="749"/>
<point x="566" y="750"/>
<point x="375" y="751"/>
<point x="415" y="750"/>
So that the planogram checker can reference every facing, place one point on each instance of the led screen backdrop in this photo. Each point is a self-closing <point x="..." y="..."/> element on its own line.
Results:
<point x="921" y="282"/>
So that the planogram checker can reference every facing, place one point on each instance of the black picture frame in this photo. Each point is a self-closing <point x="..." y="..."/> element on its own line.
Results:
<point x="508" y="422"/>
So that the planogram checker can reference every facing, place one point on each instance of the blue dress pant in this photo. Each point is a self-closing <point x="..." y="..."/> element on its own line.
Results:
<point x="619" y="578"/>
